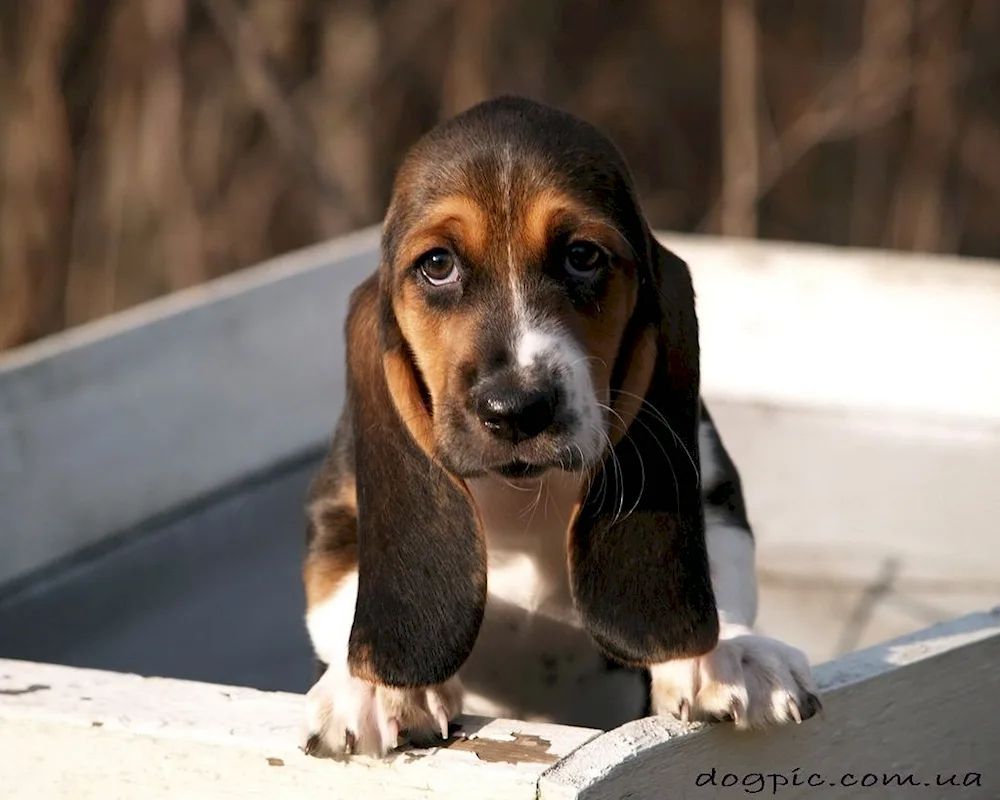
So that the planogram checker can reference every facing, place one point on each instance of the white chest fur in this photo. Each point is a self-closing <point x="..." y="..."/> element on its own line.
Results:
<point x="532" y="659"/>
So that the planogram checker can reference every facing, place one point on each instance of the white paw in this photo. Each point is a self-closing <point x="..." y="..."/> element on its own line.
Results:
<point x="753" y="680"/>
<point x="348" y="716"/>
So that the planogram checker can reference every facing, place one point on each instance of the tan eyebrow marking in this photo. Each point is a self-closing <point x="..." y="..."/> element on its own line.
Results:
<point x="550" y="208"/>
<point x="455" y="217"/>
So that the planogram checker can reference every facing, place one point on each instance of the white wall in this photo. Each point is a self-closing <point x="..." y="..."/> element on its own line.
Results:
<point x="859" y="392"/>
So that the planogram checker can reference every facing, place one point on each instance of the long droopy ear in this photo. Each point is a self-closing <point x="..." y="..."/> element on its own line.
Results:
<point x="421" y="553"/>
<point x="637" y="553"/>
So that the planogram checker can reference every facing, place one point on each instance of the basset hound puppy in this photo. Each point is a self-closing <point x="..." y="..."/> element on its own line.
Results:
<point x="526" y="510"/>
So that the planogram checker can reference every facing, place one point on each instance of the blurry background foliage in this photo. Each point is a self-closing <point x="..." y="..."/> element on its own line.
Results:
<point x="149" y="145"/>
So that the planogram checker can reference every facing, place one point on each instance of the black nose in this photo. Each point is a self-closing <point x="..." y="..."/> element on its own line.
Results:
<point x="515" y="414"/>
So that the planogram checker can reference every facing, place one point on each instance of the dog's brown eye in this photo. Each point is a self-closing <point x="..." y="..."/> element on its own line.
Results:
<point x="584" y="259"/>
<point x="439" y="267"/>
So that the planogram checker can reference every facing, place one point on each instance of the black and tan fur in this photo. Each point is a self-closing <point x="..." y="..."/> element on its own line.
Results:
<point x="405" y="504"/>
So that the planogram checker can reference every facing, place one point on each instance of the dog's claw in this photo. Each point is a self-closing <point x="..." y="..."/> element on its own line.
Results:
<point x="439" y="712"/>
<point x="392" y="734"/>
<point x="311" y="747"/>
<point x="738" y="710"/>
<point x="793" y="709"/>
<point x="350" y="742"/>
<point x="684" y="710"/>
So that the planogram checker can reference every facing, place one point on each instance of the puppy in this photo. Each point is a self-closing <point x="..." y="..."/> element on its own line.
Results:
<point x="526" y="510"/>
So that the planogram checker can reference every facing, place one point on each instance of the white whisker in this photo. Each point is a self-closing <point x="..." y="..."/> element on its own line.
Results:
<point x="659" y="416"/>
<point x="673" y="472"/>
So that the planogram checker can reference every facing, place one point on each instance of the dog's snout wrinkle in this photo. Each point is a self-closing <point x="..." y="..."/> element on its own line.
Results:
<point x="515" y="413"/>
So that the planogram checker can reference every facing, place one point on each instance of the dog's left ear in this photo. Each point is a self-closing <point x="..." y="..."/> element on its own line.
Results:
<point x="637" y="554"/>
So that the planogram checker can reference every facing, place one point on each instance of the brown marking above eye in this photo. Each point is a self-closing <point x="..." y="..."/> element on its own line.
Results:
<point x="553" y="214"/>
<point x="453" y="220"/>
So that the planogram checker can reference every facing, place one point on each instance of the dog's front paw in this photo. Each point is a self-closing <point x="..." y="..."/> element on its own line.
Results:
<point x="753" y="680"/>
<point x="348" y="716"/>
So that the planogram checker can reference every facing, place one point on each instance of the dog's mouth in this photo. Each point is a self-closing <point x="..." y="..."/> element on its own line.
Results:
<point x="522" y="470"/>
<point x="518" y="469"/>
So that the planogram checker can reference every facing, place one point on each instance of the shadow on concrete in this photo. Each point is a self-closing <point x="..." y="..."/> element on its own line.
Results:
<point x="214" y="595"/>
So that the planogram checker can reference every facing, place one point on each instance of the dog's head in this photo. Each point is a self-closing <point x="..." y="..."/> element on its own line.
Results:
<point x="514" y="257"/>
<point x="524" y="319"/>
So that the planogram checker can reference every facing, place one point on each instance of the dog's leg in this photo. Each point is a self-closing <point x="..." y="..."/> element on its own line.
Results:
<point x="346" y="714"/>
<point x="754" y="680"/>
<point x="349" y="715"/>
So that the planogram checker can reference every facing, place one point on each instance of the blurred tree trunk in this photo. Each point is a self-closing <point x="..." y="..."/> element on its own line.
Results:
<point x="467" y="78"/>
<point x="36" y="164"/>
<point x="139" y="207"/>
<point x="921" y="218"/>
<point x="350" y="54"/>
<point x="886" y="31"/>
<point x="740" y="149"/>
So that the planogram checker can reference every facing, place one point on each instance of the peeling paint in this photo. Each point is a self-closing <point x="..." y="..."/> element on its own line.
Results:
<point x="524" y="749"/>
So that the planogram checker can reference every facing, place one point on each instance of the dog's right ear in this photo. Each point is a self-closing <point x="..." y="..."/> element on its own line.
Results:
<point x="421" y="552"/>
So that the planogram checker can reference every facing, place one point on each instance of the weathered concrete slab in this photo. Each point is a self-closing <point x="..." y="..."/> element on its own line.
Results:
<point x="71" y="734"/>
<point x="915" y="717"/>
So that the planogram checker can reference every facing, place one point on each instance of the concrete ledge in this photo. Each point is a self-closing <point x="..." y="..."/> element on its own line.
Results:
<point x="924" y="705"/>
<point x="74" y="733"/>
<point x="917" y="710"/>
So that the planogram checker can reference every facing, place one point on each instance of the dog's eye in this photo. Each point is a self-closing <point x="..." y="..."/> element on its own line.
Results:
<point x="584" y="259"/>
<point x="439" y="267"/>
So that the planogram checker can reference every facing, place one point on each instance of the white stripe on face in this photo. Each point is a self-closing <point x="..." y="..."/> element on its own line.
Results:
<point x="551" y="348"/>
<point x="546" y="344"/>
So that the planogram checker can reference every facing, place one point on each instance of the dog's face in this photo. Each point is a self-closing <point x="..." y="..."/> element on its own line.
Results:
<point x="514" y="250"/>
